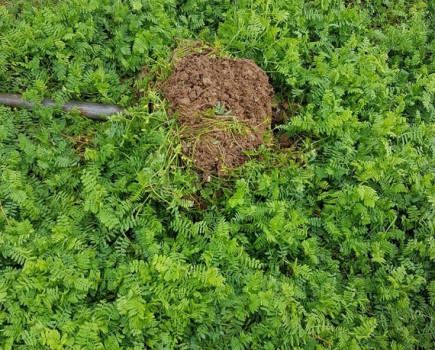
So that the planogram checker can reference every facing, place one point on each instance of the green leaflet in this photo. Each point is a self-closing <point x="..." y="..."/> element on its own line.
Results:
<point x="109" y="240"/>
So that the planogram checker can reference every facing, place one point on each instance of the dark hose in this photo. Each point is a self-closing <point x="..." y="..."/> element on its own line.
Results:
<point x="96" y="111"/>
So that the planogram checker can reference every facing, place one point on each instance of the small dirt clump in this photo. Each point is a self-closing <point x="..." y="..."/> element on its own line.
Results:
<point x="224" y="107"/>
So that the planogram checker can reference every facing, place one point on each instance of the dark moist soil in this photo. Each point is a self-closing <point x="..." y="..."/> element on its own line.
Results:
<point x="215" y="140"/>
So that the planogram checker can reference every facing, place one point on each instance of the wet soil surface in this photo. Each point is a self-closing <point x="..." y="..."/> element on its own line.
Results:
<point x="224" y="107"/>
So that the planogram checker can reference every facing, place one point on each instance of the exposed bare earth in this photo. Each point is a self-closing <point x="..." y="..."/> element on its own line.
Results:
<point x="224" y="107"/>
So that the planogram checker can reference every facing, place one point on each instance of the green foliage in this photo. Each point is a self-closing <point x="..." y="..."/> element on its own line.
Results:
<point x="109" y="241"/>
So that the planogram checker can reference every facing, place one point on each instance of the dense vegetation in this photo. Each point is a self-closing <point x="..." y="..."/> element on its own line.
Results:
<point x="109" y="241"/>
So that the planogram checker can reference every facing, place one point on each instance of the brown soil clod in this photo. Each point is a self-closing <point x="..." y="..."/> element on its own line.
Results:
<point x="224" y="108"/>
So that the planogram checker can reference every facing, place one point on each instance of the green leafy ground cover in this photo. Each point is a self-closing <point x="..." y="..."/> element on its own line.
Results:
<point x="107" y="239"/>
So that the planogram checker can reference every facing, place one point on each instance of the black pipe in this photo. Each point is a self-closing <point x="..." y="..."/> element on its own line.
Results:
<point x="96" y="111"/>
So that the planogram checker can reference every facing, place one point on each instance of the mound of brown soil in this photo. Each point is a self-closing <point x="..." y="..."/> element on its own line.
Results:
<point x="224" y="107"/>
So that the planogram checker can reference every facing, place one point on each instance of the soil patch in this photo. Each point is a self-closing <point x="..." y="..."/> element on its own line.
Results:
<point x="224" y="107"/>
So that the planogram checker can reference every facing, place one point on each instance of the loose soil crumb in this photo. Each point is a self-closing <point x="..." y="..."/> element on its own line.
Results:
<point x="224" y="107"/>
